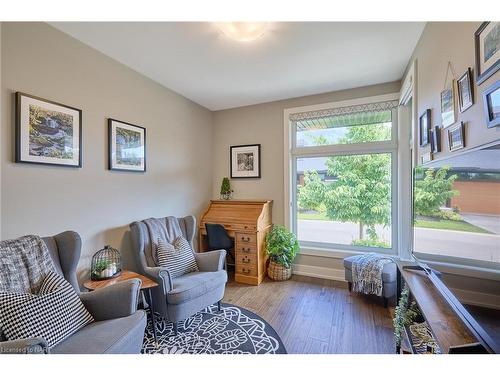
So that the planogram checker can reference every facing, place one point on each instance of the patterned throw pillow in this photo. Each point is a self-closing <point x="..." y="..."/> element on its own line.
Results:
<point x="55" y="313"/>
<point x="178" y="259"/>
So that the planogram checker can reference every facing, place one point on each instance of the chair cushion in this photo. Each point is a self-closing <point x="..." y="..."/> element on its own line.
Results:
<point x="195" y="284"/>
<point x="54" y="314"/>
<point x="178" y="259"/>
<point x="122" y="335"/>
<point x="388" y="272"/>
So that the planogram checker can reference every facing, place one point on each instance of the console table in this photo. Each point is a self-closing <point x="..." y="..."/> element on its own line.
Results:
<point x="453" y="333"/>
<point x="248" y="222"/>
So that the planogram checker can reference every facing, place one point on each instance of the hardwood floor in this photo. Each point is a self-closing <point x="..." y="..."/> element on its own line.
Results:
<point x="318" y="316"/>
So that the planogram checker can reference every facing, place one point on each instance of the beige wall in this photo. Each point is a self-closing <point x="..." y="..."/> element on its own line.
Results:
<point x="442" y="42"/>
<point x="263" y="123"/>
<point x="97" y="203"/>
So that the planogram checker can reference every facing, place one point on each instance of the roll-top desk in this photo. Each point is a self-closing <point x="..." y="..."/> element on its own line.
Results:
<point x="248" y="222"/>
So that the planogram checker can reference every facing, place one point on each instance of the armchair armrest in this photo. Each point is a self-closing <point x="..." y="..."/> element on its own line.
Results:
<point x="36" y="345"/>
<point x="211" y="261"/>
<point x="115" y="301"/>
<point x="161" y="276"/>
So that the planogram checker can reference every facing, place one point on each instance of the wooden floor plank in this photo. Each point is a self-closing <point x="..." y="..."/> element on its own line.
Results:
<point x="314" y="316"/>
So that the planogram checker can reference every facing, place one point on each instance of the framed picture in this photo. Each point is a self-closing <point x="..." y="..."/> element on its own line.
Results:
<point x="127" y="146"/>
<point x="465" y="93"/>
<point x="491" y="103"/>
<point x="456" y="137"/>
<point x="245" y="161"/>
<point x="487" y="47"/>
<point x="424" y="127"/>
<point x="425" y="158"/>
<point x="435" y="137"/>
<point x="448" y="116"/>
<point x="47" y="132"/>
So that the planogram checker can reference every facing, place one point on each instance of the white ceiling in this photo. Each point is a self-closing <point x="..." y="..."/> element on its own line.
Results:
<point x="289" y="60"/>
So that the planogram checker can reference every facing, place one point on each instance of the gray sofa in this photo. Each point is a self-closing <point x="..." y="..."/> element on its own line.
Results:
<point x="118" y="327"/>
<point x="179" y="298"/>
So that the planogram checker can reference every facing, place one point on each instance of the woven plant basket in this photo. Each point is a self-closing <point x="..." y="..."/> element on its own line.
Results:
<point x="277" y="272"/>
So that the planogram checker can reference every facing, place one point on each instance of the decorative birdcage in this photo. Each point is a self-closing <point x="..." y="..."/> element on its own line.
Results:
<point x="106" y="264"/>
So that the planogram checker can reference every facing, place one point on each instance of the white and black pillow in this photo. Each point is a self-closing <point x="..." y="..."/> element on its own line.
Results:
<point x="178" y="259"/>
<point x="54" y="313"/>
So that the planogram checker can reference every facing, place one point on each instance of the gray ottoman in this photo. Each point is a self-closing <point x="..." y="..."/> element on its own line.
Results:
<point x="388" y="278"/>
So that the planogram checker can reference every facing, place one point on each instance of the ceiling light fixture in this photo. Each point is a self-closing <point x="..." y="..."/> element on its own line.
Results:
<point x="243" y="31"/>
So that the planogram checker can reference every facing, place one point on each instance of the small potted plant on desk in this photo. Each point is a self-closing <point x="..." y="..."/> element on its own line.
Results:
<point x="282" y="247"/>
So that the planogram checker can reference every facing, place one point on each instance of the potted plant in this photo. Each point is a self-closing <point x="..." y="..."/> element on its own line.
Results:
<point x="225" y="189"/>
<point x="282" y="247"/>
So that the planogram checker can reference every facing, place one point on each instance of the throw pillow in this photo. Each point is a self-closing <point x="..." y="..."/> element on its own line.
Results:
<point x="178" y="259"/>
<point x="55" y="313"/>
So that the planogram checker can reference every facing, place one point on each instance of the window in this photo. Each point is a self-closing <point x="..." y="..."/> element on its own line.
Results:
<point x="342" y="176"/>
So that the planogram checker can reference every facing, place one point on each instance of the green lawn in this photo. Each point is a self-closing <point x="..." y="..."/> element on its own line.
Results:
<point x="462" y="226"/>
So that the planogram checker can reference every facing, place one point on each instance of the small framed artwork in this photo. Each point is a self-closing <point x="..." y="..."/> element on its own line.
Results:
<point x="127" y="146"/>
<point x="424" y="127"/>
<point x="491" y="103"/>
<point x="245" y="161"/>
<point x="47" y="132"/>
<point x="465" y="93"/>
<point x="425" y="158"/>
<point x="435" y="138"/>
<point x="448" y="116"/>
<point x="456" y="137"/>
<point x="487" y="48"/>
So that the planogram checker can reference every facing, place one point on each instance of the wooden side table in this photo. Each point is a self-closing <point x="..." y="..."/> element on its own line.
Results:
<point x="146" y="286"/>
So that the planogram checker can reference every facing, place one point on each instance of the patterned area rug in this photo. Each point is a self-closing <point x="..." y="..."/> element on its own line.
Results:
<point x="233" y="330"/>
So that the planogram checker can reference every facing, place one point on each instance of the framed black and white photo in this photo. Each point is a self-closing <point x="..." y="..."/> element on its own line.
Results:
<point x="245" y="161"/>
<point x="435" y="138"/>
<point x="47" y="132"/>
<point x="448" y="115"/>
<point x="487" y="47"/>
<point x="456" y="137"/>
<point x="127" y="146"/>
<point x="491" y="103"/>
<point x="424" y="128"/>
<point x="465" y="93"/>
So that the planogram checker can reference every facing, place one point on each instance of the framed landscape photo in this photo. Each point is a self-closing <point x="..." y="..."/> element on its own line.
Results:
<point x="487" y="48"/>
<point x="491" y="102"/>
<point x="424" y="127"/>
<point x="47" y="132"/>
<point x="448" y="116"/>
<point x="456" y="137"/>
<point x="245" y="161"/>
<point x="465" y="93"/>
<point x="127" y="146"/>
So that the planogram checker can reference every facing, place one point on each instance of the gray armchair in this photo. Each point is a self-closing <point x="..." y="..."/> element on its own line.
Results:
<point x="178" y="298"/>
<point x="118" y="326"/>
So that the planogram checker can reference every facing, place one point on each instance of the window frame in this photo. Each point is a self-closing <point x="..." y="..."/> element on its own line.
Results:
<point x="292" y="153"/>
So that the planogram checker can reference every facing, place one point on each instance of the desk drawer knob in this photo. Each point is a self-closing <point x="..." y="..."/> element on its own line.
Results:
<point x="245" y="250"/>
<point x="245" y="239"/>
<point x="245" y="270"/>
<point x="246" y="260"/>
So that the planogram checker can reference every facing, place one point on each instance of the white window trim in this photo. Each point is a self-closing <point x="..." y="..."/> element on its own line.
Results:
<point x="290" y="155"/>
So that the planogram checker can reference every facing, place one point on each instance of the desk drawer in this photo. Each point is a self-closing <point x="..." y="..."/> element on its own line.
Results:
<point x="243" y="227"/>
<point x="244" y="238"/>
<point x="246" y="270"/>
<point x="244" y="260"/>
<point x="246" y="248"/>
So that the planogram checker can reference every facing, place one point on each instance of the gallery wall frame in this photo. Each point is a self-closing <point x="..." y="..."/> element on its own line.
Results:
<point x="491" y="105"/>
<point x="424" y="127"/>
<point x="487" y="53"/>
<point x="465" y="91"/>
<point x="126" y="146"/>
<point x="47" y="132"/>
<point x="456" y="137"/>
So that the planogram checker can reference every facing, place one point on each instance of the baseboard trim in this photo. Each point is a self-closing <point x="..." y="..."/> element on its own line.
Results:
<point x="468" y="297"/>
<point x="319" y="272"/>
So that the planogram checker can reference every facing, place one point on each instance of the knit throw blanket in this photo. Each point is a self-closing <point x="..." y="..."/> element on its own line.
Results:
<point x="367" y="273"/>
<point x="24" y="263"/>
<point x="164" y="229"/>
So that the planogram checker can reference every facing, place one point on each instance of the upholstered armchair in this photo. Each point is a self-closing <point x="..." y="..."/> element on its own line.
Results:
<point x="118" y="326"/>
<point x="181" y="297"/>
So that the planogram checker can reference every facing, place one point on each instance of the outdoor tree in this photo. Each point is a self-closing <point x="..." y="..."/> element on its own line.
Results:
<point x="432" y="191"/>
<point x="312" y="194"/>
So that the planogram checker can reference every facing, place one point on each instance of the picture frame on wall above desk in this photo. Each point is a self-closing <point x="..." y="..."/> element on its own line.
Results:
<point x="491" y="103"/>
<point x="424" y="127"/>
<point x="487" y="50"/>
<point x="245" y="161"/>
